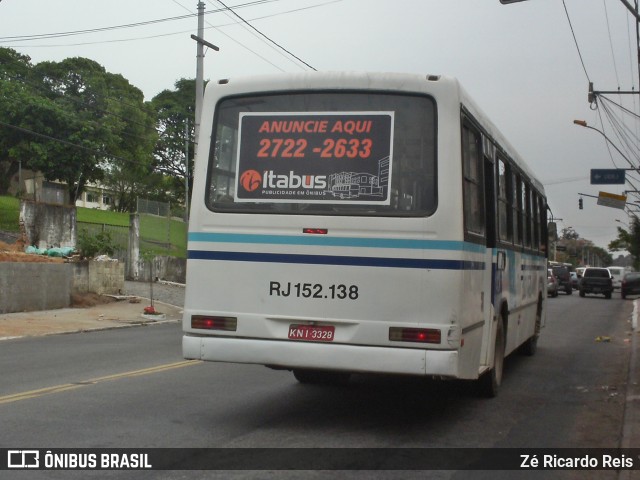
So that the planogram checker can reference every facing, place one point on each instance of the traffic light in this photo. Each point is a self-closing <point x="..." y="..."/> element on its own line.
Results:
<point x="580" y="203"/>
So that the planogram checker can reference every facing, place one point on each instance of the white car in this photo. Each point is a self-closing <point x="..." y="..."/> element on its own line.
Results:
<point x="618" y="274"/>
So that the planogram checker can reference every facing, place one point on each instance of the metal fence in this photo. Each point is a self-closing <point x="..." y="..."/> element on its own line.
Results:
<point x="152" y="207"/>
<point x="119" y="236"/>
<point x="161" y="230"/>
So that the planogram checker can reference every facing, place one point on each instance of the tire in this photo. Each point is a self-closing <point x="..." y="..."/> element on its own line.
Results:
<point x="607" y="295"/>
<point x="489" y="382"/>
<point x="569" y="291"/>
<point x="623" y="295"/>
<point x="555" y="294"/>
<point x="321" y="377"/>
<point x="582" y="293"/>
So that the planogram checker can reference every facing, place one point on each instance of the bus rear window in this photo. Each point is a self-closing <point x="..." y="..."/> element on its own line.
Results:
<point x="324" y="153"/>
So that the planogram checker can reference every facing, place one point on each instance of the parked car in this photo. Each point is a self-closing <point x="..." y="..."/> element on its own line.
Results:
<point x="564" y="278"/>
<point x="575" y="281"/>
<point x="552" y="284"/>
<point x="630" y="284"/>
<point x="596" y="280"/>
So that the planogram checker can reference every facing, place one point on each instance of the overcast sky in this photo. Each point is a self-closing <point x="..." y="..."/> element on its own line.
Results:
<point x="519" y="62"/>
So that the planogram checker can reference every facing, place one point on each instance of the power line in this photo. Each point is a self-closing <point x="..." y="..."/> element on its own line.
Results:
<point x="70" y="144"/>
<point x="575" y="40"/>
<point x="23" y="38"/>
<point x="182" y="32"/>
<point x="78" y="101"/>
<point x="613" y="56"/>
<point x="265" y="36"/>
<point x="282" y="54"/>
<point x="235" y="41"/>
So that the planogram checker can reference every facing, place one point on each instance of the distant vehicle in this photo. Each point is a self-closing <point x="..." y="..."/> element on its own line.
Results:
<point x="630" y="284"/>
<point x="596" y="280"/>
<point x="575" y="281"/>
<point x="617" y="273"/>
<point x="552" y="283"/>
<point x="563" y="275"/>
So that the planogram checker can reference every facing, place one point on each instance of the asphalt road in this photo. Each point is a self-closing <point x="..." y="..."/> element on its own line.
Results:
<point x="131" y="388"/>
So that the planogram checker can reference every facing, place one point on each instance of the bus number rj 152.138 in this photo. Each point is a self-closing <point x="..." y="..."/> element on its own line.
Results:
<point x="313" y="290"/>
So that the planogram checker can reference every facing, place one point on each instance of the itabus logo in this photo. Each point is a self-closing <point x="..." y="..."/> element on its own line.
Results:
<point x="250" y="180"/>
<point x="316" y="182"/>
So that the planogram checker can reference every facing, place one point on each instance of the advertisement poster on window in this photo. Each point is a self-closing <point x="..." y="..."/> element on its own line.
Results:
<point x="317" y="157"/>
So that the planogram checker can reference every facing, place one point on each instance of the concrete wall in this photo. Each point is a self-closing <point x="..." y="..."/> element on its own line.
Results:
<point x="45" y="286"/>
<point x="171" y="269"/>
<point x="98" y="277"/>
<point x="48" y="225"/>
<point x="34" y="286"/>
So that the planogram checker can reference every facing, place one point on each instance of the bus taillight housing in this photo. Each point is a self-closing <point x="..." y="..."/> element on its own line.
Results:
<point x="418" y="335"/>
<point x="208" y="322"/>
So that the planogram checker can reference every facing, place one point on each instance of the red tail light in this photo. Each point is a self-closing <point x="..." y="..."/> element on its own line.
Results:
<point x="214" y="323"/>
<point x="420" y="335"/>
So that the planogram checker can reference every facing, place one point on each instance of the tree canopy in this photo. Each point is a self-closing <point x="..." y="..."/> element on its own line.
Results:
<point x="74" y="122"/>
<point x="628" y="240"/>
<point x="174" y="149"/>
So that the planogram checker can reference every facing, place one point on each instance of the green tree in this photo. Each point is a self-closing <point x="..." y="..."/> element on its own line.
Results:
<point x="175" y="111"/>
<point x="628" y="240"/>
<point x="108" y="127"/>
<point x="25" y="109"/>
<point x="128" y="173"/>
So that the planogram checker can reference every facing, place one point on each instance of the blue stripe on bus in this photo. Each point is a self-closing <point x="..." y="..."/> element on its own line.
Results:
<point x="430" y="264"/>
<point x="322" y="240"/>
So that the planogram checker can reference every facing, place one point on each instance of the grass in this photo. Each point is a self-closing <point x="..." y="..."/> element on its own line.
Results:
<point x="9" y="214"/>
<point x="91" y="215"/>
<point x="159" y="235"/>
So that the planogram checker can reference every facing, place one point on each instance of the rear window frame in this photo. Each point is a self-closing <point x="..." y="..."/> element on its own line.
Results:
<point x="337" y="208"/>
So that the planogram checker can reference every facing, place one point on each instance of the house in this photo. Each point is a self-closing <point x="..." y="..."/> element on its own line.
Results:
<point x="33" y="186"/>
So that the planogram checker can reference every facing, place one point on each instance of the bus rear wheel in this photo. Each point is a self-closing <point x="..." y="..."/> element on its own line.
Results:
<point x="489" y="382"/>
<point x="322" y="377"/>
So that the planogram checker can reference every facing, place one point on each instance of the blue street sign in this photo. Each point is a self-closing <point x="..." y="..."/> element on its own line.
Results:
<point x="607" y="176"/>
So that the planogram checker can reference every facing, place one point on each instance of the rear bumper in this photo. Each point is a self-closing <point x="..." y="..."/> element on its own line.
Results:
<point x="596" y="289"/>
<point x="325" y="356"/>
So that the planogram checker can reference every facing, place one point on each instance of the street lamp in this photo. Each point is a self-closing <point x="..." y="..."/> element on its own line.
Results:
<point x="583" y="123"/>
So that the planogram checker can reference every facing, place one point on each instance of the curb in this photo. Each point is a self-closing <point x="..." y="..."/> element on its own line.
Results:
<point x="630" y="419"/>
<point x="132" y="319"/>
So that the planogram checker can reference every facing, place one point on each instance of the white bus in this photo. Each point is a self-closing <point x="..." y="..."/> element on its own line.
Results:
<point x="361" y="223"/>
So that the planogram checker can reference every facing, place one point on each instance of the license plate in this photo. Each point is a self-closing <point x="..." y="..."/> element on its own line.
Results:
<point x="312" y="333"/>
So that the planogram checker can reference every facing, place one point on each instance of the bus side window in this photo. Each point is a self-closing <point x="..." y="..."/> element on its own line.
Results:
<point x="504" y="217"/>
<point x="516" y="198"/>
<point x="473" y="180"/>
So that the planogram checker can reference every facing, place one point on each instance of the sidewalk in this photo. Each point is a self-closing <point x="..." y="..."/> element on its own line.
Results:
<point x="117" y="314"/>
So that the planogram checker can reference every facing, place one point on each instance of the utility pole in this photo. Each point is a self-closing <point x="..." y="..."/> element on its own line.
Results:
<point x="186" y="175"/>
<point x="199" y="71"/>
